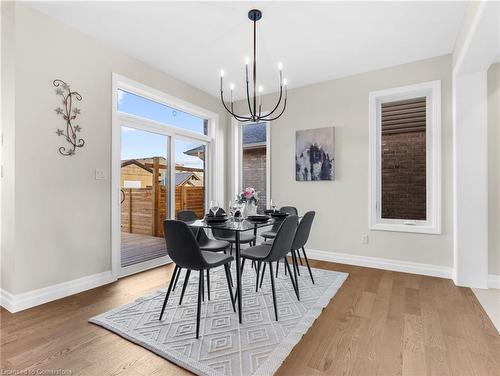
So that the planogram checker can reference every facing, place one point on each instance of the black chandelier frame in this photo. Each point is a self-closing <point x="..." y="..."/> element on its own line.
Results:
<point x="255" y="108"/>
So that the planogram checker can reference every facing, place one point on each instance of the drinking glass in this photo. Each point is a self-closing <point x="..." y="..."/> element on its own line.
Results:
<point x="273" y="205"/>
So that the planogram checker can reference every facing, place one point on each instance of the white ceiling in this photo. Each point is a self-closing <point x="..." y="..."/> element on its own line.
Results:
<point x="316" y="41"/>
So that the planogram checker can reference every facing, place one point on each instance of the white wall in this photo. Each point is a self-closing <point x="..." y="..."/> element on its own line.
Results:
<point x="342" y="205"/>
<point x="8" y="147"/>
<point x="470" y="141"/>
<point x="477" y="46"/>
<point x="62" y="225"/>
<point x="494" y="169"/>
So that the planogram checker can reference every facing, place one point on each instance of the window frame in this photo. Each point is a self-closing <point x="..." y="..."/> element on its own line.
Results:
<point x="237" y="158"/>
<point x="432" y="92"/>
<point x="213" y="162"/>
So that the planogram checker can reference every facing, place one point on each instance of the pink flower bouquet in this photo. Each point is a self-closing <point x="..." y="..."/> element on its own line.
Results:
<point x="249" y="194"/>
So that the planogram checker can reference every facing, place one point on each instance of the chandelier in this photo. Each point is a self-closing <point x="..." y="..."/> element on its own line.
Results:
<point x="255" y="102"/>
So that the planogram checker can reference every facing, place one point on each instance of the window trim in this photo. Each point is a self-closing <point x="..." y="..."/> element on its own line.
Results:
<point x="432" y="91"/>
<point x="237" y="159"/>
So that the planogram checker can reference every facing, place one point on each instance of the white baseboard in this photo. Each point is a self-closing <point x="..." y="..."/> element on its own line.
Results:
<point x="15" y="303"/>
<point x="494" y="281"/>
<point x="381" y="263"/>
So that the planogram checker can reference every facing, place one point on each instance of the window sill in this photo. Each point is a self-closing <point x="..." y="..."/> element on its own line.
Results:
<point x="397" y="227"/>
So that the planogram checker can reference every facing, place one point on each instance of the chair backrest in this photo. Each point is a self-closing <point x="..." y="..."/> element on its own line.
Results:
<point x="282" y="243"/>
<point x="186" y="216"/>
<point x="190" y="216"/>
<point x="182" y="246"/>
<point x="303" y="230"/>
<point x="292" y="210"/>
<point x="220" y="233"/>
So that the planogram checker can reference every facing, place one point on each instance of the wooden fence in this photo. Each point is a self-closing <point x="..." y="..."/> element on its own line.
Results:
<point x="143" y="213"/>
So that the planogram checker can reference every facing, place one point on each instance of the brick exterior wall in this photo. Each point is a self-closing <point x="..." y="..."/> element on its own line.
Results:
<point x="254" y="173"/>
<point x="404" y="175"/>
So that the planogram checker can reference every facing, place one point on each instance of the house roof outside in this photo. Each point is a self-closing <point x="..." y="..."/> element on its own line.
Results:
<point x="254" y="135"/>
<point x="182" y="178"/>
<point x="137" y="163"/>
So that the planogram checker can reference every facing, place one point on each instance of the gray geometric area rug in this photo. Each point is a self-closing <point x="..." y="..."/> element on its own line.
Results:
<point x="258" y="346"/>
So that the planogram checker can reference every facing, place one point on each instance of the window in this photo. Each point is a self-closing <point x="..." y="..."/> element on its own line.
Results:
<point x="405" y="127"/>
<point x="140" y="106"/>
<point x="252" y="160"/>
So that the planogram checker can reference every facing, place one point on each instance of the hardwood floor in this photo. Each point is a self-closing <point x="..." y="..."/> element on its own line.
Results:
<point x="379" y="323"/>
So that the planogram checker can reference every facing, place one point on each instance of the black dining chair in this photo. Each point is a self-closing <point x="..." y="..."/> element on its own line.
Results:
<point x="184" y="250"/>
<point x="300" y="240"/>
<point x="230" y="236"/>
<point x="263" y="253"/>
<point x="271" y="234"/>
<point x="205" y="243"/>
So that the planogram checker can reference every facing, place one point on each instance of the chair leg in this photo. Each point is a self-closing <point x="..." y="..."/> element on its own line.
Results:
<point x="176" y="269"/>
<point x="257" y="277"/>
<point x="203" y="289"/>
<point x="186" y="279"/>
<point x="226" y="269"/>
<point x="295" y="270"/>
<point x="300" y="258"/>
<point x="198" y="311"/>
<point x="294" y="283"/>
<point x="230" y="275"/>
<point x="292" y="255"/>
<point x="208" y="284"/>
<point x="296" y="253"/>
<point x="277" y="267"/>
<point x="274" y="291"/>
<point x="285" y="261"/>
<point x="307" y="263"/>
<point x="262" y="277"/>
<point x="242" y="265"/>
<point x="176" y="278"/>
<point x="295" y="263"/>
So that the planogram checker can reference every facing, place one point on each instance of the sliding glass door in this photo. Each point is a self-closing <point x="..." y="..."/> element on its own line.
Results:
<point x="144" y="201"/>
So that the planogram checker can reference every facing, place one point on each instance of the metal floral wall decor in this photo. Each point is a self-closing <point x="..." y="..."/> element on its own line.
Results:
<point x="69" y="113"/>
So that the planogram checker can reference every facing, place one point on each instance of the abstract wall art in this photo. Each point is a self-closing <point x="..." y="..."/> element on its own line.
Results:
<point x="315" y="154"/>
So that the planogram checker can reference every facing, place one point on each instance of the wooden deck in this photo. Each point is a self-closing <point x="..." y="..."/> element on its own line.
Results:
<point x="136" y="248"/>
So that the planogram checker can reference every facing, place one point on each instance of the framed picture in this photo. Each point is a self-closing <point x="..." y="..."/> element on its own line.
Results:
<point x="315" y="154"/>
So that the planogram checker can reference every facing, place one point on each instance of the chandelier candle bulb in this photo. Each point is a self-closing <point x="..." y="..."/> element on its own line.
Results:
<point x="221" y="79"/>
